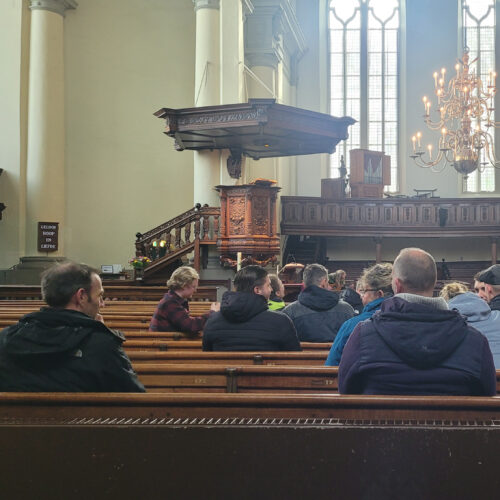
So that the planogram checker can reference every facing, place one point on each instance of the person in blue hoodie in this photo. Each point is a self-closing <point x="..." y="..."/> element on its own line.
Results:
<point x="478" y="314"/>
<point x="319" y="312"/>
<point x="415" y="344"/>
<point x="375" y="288"/>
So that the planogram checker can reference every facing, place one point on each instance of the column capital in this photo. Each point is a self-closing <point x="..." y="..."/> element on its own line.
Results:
<point x="206" y="4"/>
<point x="57" y="6"/>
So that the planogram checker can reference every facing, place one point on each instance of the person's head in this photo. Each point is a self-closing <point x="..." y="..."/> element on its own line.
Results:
<point x="491" y="279"/>
<point x="479" y="287"/>
<point x="337" y="279"/>
<point x="414" y="271"/>
<point x="315" y="274"/>
<point x="73" y="286"/>
<point x="253" y="279"/>
<point x="451" y="290"/>
<point x="184" y="282"/>
<point x="375" y="282"/>
<point x="277" y="286"/>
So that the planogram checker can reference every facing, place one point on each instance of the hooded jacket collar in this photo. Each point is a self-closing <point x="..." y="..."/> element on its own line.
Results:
<point x="242" y="306"/>
<point x="318" y="299"/>
<point x="420" y="335"/>
<point x="50" y="331"/>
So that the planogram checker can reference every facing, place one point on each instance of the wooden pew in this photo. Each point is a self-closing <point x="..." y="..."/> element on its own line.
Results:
<point x="306" y="358"/>
<point x="155" y="341"/>
<point x="63" y="407"/>
<point x="209" y="378"/>
<point x="201" y="446"/>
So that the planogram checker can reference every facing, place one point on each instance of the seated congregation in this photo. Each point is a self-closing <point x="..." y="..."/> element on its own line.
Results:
<point x="403" y="341"/>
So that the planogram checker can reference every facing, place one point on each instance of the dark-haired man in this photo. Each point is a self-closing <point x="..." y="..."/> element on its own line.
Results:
<point x="66" y="347"/>
<point x="415" y="344"/>
<point x="244" y="322"/>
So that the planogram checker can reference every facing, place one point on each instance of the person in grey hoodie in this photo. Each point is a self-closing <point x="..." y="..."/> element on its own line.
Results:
<point x="319" y="312"/>
<point x="478" y="314"/>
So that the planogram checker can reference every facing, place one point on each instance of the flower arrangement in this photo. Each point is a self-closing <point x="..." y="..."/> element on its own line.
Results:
<point x="140" y="262"/>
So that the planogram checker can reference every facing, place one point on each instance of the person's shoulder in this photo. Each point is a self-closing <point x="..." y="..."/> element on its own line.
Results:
<point x="344" y="306"/>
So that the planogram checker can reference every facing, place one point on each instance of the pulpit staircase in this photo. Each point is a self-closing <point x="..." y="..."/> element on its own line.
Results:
<point x="191" y="232"/>
<point x="304" y="249"/>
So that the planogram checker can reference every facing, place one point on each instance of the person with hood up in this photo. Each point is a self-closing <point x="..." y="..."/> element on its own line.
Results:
<point x="478" y="314"/>
<point x="319" y="312"/>
<point x="415" y="344"/>
<point x="375" y="288"/>
<point x="244" y="322"/>
<point x="66" y="347"/>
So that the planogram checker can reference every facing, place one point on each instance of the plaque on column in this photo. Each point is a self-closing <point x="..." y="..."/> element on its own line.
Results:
<point x="48" y="236"/>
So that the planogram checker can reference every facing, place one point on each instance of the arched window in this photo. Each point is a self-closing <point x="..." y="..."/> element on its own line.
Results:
<point x="478" y="23"/>
<point x="364" y="55"/>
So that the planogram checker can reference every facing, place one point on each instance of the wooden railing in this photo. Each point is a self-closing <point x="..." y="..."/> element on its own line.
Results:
<point x="183" y="234"/>
<point x="391" y="216"/>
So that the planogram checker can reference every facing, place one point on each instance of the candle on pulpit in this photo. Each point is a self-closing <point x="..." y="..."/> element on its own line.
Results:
<point x="429" y="147"/>
<point x="435" y="75"/>
<point x="414" y="140"/>
<point x="238" y="261"/>
<point x="419" y="136"/>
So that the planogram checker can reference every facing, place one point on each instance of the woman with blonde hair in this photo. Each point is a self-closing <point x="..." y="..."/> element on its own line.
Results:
<point x="172" y="313"/>
<point x="375" y="287"/>
<point x="478" y="313"/>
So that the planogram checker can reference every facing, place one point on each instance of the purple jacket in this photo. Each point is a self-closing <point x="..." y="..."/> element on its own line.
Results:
<point x="410" y="348"/>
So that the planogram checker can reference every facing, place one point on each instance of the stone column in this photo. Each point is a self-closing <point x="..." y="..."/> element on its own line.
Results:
<point x="207" y="93"/>
<point x="231" y="67"/>
<point x="46" y="137"/>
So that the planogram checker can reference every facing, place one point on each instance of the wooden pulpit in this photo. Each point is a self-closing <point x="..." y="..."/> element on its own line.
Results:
<point x="248" y="223"/>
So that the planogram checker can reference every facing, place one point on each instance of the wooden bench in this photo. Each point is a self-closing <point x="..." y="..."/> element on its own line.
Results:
<point x="155" y="341"/>
<point x="203" y="445"/>
<point x="115" y="292"/>
<point x="306" y="358"/>
<point x="208" y="378"/>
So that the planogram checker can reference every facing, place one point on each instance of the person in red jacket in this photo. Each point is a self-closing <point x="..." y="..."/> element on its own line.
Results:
<point x="172" y="313"/>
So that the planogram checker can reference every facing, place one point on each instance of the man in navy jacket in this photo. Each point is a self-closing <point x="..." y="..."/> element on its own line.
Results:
<point x="244" y="322"/>
<point x="415" y="344"/>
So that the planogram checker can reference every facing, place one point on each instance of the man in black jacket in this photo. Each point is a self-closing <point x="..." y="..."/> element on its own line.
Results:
<point x="244" y="322"/>
<point x="66" y="347"/>
<point x="319" y="312"/>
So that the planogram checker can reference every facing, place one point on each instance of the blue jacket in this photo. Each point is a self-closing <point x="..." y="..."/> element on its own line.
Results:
<point x="318" y="314"/>
<point x="346" y="330"/>
<point x="410" y="348"/>
<point x="482" y="318"/>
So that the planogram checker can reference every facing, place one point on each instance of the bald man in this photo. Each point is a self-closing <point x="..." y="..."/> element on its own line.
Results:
<point x="415" y="344"/>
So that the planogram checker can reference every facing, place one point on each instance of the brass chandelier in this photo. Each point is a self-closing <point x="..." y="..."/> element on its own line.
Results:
<point x="464" y="118"/>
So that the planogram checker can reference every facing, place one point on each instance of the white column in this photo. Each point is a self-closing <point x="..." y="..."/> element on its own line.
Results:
<point x="45" y="151"/>
<point x="207" y="93"/>
<point x="231" y="70"/>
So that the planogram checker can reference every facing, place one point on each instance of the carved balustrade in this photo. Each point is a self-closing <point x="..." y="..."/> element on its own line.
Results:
<point x="451" y="217"/>
<point x="180" y="235"/>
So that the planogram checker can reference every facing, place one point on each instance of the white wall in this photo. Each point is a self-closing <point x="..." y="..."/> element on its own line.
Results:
<point x="10" y="130"/>
<point x="124" y="60"/>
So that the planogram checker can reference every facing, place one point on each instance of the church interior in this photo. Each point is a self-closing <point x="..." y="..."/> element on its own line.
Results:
<point x="142" y="135"/>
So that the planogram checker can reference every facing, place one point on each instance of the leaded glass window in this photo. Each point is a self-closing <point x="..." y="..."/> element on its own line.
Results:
<point x="364" y="49"/>
<point x="478" y="19"/>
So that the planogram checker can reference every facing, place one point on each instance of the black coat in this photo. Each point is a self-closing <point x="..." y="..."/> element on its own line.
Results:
<point x="244" y="323"/>
<point x="61" y="350"/>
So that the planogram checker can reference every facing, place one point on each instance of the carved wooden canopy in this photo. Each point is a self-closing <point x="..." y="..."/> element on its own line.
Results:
<point x="258" y="129"/>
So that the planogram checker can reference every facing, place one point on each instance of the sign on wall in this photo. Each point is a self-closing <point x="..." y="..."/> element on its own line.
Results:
<point x="48" y="236"/>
